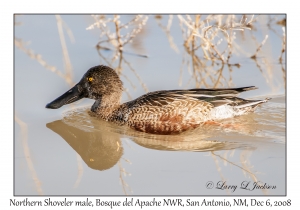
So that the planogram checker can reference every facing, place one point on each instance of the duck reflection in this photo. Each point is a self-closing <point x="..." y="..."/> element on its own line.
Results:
<point x="100" y="146"/>
<point x="99" y="150"/>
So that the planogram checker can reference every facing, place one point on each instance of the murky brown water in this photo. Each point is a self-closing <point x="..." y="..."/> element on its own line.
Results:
<point x="67" y="152"/>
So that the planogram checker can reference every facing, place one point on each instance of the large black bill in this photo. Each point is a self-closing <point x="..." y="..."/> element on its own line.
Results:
<point x="68" y="97"/>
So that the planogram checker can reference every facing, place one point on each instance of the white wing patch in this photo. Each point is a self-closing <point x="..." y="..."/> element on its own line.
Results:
<point x="225" y="111"/>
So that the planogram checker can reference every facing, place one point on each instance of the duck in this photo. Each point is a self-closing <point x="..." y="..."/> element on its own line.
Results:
<point x="162" y="112"/>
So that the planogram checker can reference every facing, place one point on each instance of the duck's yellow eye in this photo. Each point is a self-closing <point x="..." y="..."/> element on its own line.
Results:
<point x="90" y="79"/>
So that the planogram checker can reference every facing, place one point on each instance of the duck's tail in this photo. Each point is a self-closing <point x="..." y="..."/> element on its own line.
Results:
<point x="250" y="105"/>
<point x="236" y="107"/>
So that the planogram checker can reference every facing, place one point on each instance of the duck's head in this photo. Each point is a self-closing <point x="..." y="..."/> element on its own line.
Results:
<point x="97" y="83"/>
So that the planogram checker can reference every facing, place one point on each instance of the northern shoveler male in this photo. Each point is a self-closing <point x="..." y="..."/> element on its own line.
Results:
<point x="159" y="112"/>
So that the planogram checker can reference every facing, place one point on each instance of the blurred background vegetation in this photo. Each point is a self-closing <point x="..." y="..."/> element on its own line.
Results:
<point x="209" y="48"/>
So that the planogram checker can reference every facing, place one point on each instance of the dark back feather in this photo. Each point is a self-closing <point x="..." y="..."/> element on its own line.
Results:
<point x="217" y="97"/>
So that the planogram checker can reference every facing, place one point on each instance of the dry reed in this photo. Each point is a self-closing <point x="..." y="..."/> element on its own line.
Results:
<point x="210" y="41"/>
<point x="111" y="29"/>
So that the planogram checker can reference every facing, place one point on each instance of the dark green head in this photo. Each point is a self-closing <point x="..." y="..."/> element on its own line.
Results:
<point x="97" y="83"/>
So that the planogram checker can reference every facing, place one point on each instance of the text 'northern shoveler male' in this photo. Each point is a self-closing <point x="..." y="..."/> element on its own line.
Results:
<point x="159" y="112"/>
